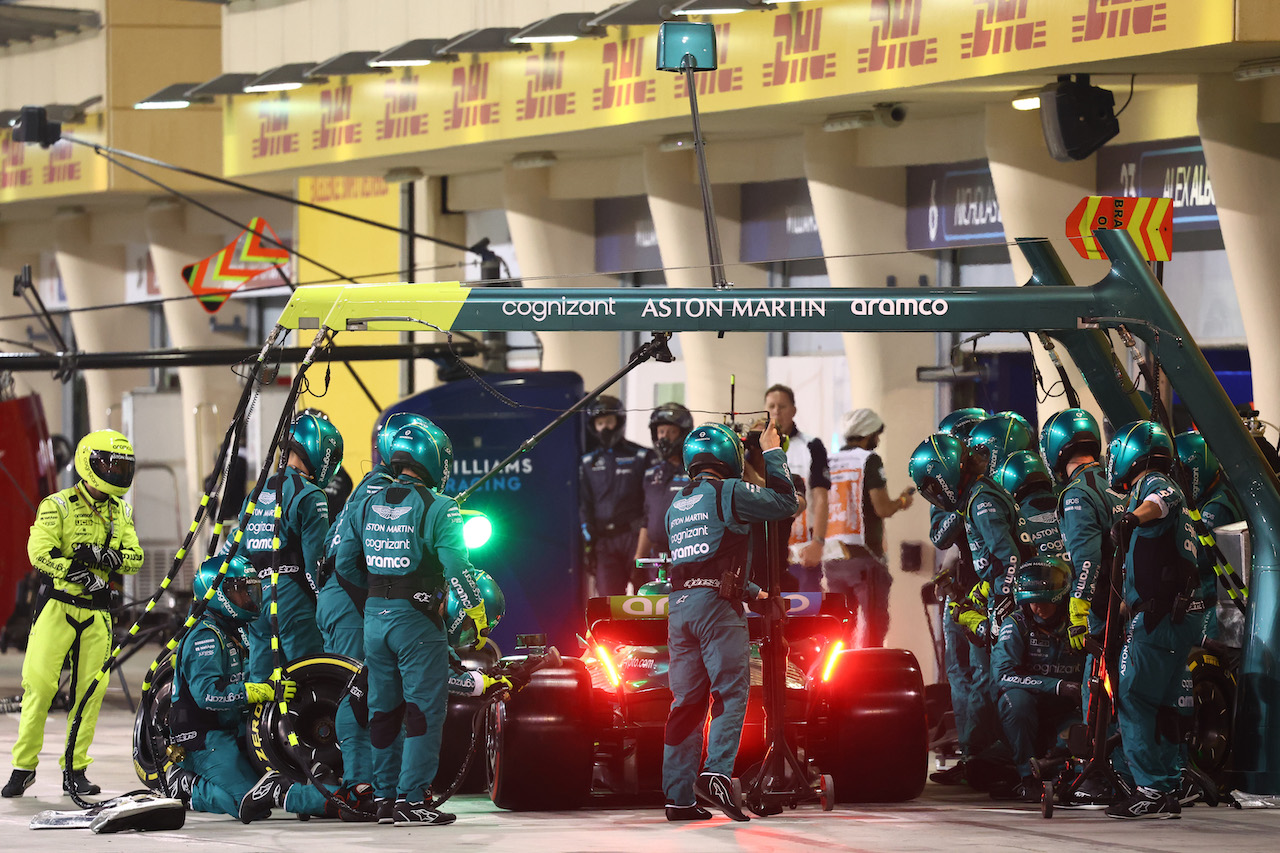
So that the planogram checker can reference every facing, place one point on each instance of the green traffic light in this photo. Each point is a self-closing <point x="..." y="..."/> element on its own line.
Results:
<point x="476" y="529"/>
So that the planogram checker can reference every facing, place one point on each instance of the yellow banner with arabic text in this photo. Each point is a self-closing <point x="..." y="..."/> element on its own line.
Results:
<point x="796" y="52"/>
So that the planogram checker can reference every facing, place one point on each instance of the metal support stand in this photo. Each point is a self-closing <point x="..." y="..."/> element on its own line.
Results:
<point x="704" y="181"/>
<point x="781" y="780"/>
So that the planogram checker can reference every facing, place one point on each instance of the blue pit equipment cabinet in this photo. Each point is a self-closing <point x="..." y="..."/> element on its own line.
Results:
<point x="534" y="553"/>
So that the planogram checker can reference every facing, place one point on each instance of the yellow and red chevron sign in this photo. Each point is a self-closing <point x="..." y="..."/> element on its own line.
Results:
<point x="255" y="251"/>
<point x="1148" y="220"/>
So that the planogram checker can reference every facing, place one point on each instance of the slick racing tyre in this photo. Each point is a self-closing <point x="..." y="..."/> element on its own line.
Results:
<point x="322" y="682"/>
<point x="539" y="744"/>
<point x="866" y="726"/>
<point x="1214" y="689"/>
<point x="151" y="725"/>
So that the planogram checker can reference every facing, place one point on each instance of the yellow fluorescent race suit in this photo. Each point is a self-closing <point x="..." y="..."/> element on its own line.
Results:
<point x="72" y="623"/>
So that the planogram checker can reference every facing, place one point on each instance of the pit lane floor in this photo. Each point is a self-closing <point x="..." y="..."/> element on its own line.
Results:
<point x="946" y="819"/>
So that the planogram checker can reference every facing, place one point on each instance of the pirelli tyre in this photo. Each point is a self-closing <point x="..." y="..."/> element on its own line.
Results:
<point x="866" y="725"/>
<point x="456" y="742"/>
<point x="151" y="724"/>
<point x="322" y="681"/>
<point x="540" y="743"/>
<point x="1213" y="688"/>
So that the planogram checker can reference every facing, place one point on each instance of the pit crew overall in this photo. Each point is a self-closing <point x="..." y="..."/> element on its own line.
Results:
<point x="1154" y="683"/>
<point x="207" y="716"/>
<point x="991" y="519"/>
<point x="412" y="545"/>
<point x="947" y="529"/>
<point x="1087" y="507"/>
<point x="1219" y="507"/>
<point x="1030" y="660"/>
<point x="340" y="616"/>
<point x="707" y="525"/>
<point x="304" y="525"/>
<point x="71" y="622"/>
<point x="1038" y="525"/>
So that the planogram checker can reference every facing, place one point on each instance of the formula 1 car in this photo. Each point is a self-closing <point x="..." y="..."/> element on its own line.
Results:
<point x="593" y="727"/>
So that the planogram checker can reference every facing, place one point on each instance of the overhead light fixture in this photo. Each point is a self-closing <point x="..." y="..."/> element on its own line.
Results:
<point x="346" y="64"/>
<point x="720" y="7"/>
<point x="71" y="113"/>
<point x="1257" y="68"/>
<point x="282" y="78"/>
<point x="636" y="13"/>
<point x="232" y="83"/>
<point x="1026" y="100"/>
<point x="1077" y="118"/>
<point x="404" y="175"/>
<point x="487" y="40"/>
<point x="9" y="117"/>
<point x="412" y="52"/>
<point x="885" y="115"/>
<point x="171" y="97"/>
<point x="568" y="26"/>
<point x="533" y="160"/>
<point x="677" y="142"/>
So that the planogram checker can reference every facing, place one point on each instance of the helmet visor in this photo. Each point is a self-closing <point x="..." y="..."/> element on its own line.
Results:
<point x="115" y="469"/>
<point x="244" y="593"/>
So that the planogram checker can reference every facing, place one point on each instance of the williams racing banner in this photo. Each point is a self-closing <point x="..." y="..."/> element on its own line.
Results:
<point x="794" y="52"/>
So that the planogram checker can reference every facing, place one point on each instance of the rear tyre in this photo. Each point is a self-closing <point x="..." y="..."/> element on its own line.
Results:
<point x="1214" y="690"/>
<point x="322" y="682"/>
<point x="867" y="726"/>
<point x="539" y="744"/>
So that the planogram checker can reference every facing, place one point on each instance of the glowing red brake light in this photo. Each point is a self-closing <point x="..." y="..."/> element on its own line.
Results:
<point x="606" y="660"/>
<point x="827" y="668"/>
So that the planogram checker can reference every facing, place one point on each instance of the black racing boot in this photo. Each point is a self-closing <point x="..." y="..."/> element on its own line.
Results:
<point x="717" y="789"/>
<point x="74" y="781"/>
<point x="420" y="814"/>
<point x="694" y="812"/>
<point x="953" y="775"/>
<point x="353" y="804"/>
<point x="1147" y="804"/>
<point x="178" y="783"/>
<point x="266" y="795"/>
<point x="1092" y="794"/>
<point x="19" y="781"/>
<point x="1026" y="791"/>
<point x="386" y="810"/>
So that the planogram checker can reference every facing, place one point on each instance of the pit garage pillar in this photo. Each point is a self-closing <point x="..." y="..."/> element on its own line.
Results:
<point x="1242" y="150"/>
<point x="434" y="263"/>
<point x="209" y="394"/>
<point x="93" y="273"/>
<point x="554" y="241"/>
<point x="862" y="215"/>
<point x="1036" y="193"/>
<point x="675" y="202"/>
<point x="41" y="384"/>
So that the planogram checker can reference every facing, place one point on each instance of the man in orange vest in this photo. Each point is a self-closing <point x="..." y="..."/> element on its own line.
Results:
<point x="858" y="503"/>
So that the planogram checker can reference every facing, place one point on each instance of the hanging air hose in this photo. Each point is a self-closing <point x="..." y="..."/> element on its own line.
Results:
<point x="1073" y="399"/>
<point x="213" y="491"/>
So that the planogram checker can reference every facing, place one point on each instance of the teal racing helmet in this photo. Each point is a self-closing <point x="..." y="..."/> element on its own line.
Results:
<point x="1071" y="432"/>
<point x="961" y="421"/>
<point x="319" y="444"/>
<point x="1043" y="580"/>
<point x="937" y="467"/>
<point x="1137" y="447"/>
<point x="239" y="596"/>
<point x="1024" y="473"/>
<point x="458" y="625"/>
<point x="390" y="427"/>
<point x="1202" y="467"/>
<point x="715" y="448"/>
<point x="424" y="449"/>
<point x="1000" y="436"/>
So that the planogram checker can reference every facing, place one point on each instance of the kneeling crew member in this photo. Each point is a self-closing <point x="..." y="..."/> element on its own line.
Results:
<point x="82" y="541"/>
<point x="708" y="528"/>
<point x="1037" y="672"/>
<point x="411" y="539"/>
<point x="211" y="700"/>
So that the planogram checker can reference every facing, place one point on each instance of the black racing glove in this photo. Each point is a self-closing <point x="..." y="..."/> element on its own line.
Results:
<point x="99" y="555"/>
<point x="81" y="574"/>
<point x="1122" y="528"/>
<point x="1002" y="607"/>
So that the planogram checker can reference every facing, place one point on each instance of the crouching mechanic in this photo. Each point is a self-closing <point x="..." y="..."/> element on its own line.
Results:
<point x="412" y="545"/>
<point x="297" y="500"/>
<point x="81" y="542"/>
<point x="340" y="608"/>
<point x="211" y="699"/>
<point x="1037" y="673"/>
<point x="1161" y="589"/>
<point x="708" y="528"/>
